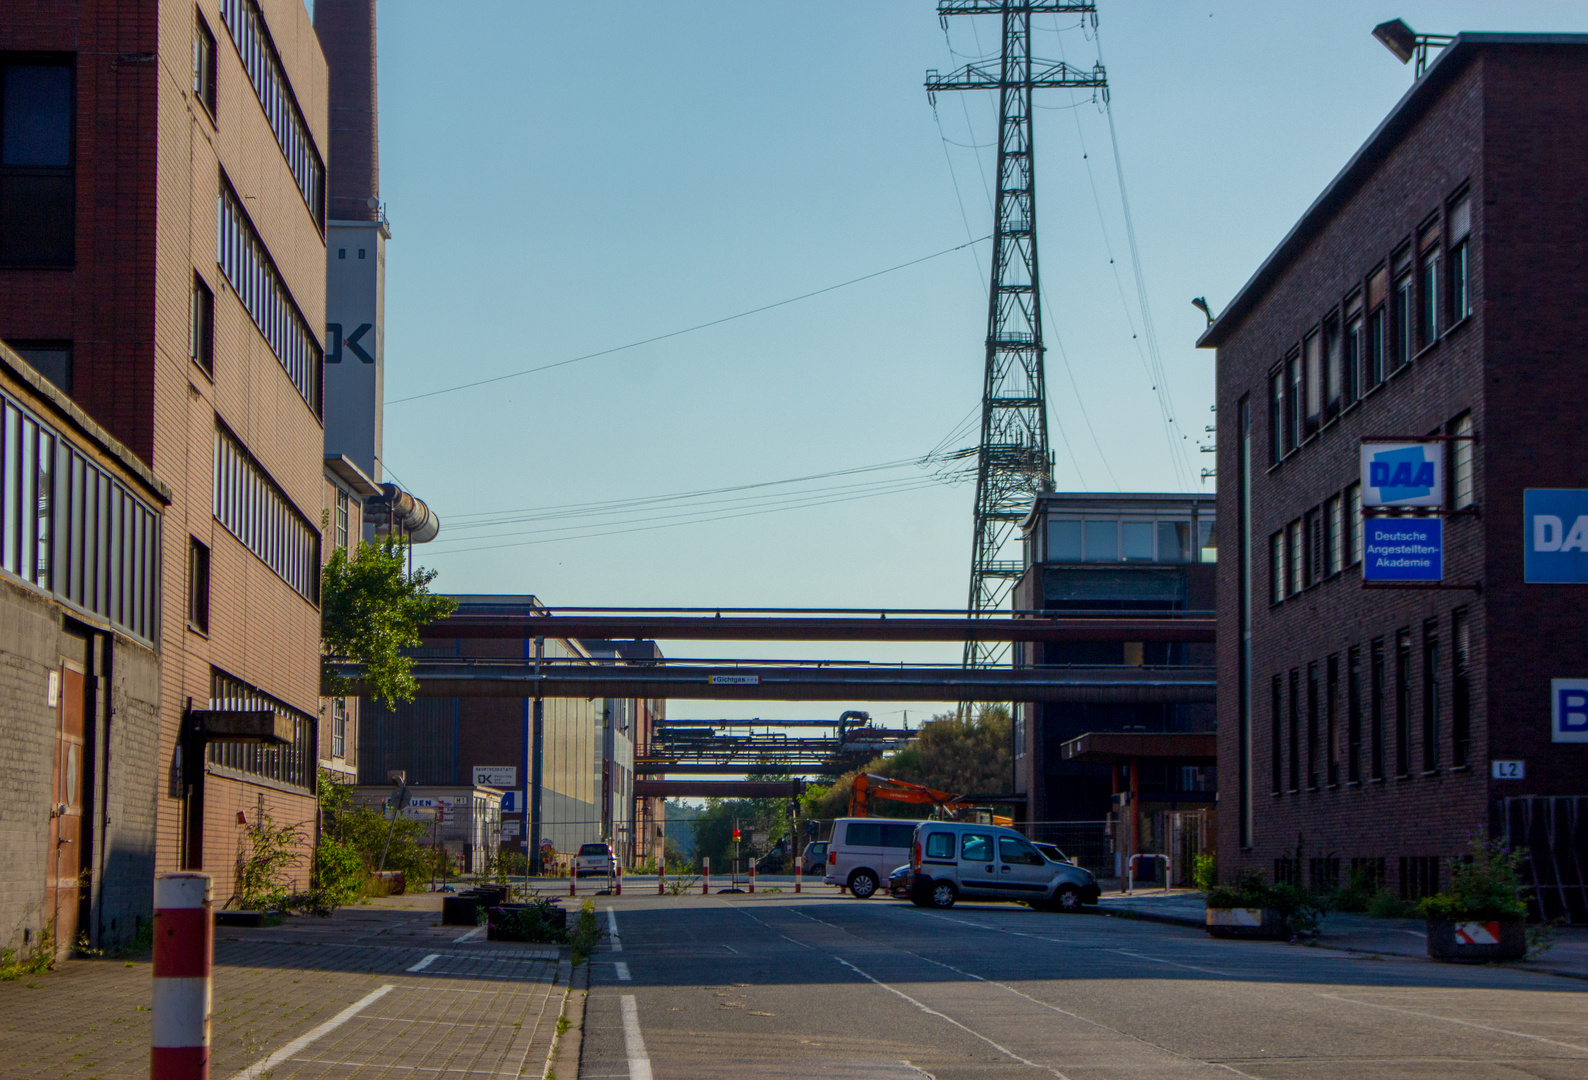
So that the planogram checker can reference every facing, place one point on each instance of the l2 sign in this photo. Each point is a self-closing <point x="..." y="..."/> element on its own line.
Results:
<point x="1403" y="549"/>
<point x="1403" y="474"/>
<point x="1555" y="545"/>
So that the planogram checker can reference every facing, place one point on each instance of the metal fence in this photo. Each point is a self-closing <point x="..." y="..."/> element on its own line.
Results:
<point x="1089" y="843"/>
<point x="1554" y="832"/>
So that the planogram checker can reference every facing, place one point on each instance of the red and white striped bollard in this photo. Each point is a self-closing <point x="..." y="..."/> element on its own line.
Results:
<point x="617" y="885"/>
<point x="752" y="878"/>
<point x="799" y="875"/>
<point x="705" y="875"/>
<point x="184" y="952"/>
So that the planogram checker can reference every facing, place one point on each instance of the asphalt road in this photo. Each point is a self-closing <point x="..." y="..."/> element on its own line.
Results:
<point x="827" y="986"/>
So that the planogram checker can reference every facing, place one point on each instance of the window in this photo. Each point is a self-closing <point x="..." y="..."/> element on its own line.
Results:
<point x="974" y="847"/>
<point x="1136" y="539"/>
<point x="1313" y="525"/>
<point x="1333" y="536"/>
<point x="1431" y="699"/>
<point x="898" y="836"/>
<point x="1102" y="541"/>
<point x="341" y="519"/>
<point x="1353" y="520"/>
<point x="940" y="845"/>
<point x="1312" y="360"/>
<point x="1174" y="541"/>
<point x="1298" y="563"/>
<point x="1313" y="704"/>
<point x="1461" y="458"/>
<point x="1277" y="565"/>
<point x="1428" y="287"/>
<point x="253" y="509"/>
<point x="1294" y="422"/>
<point x="1353" y="715"/>
<point x="1276" y="414"/>
<point x="1331" y="712"/>
<point x="1351" y="361"/>
<point x="1419" y="876"/>
<point x="37" y="190"/>
<point x="1403" y="703"/>
<point x="201" y="344"/>
<point x="246" y="263"/>
<point x="203" y="63"/>
<point x="269" y="80"/>
<point x="863" y="834"/>
<point x="1294" y="733"/>
<point x="293" y="764"/>
<point x="52" y="359"/>
<point x="198" y="586"/>
<point x="1333" y="375"/>
<point x="1376" y="710"/>
<point x="1016" y="852"/>
<point x="1460" y="690"/>
<point x="1403" y="314"/>
<point x="1275" y="739"/>
<point x="1064" y="541"/>
<point x="1377" y="345"/>
<point x="1460" y="224"/>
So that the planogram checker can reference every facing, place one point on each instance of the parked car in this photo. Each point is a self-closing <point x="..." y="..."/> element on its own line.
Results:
<point x="864" y="850"/>
<point x="771" y="862"/>
<point x="899" y="883"/>
<point x="1052" y="852"/>
<point x="951" y="861"/>
<point x="814" y="861"/>
<point x="594" y="860"/>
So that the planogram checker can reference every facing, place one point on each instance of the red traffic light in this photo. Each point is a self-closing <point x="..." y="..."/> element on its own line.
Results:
<point x="736" y="836"/>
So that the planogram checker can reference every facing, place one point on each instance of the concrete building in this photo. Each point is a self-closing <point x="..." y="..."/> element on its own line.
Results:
<point x="635" y="824"/>
<point x="79" y="672"/>
<point x="1106" y="555"/>
<point x="1428" y="296"/>
<point x="162" y="255"/>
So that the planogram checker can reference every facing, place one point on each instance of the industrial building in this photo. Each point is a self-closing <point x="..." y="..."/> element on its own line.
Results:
<point x="1396" y="677"/>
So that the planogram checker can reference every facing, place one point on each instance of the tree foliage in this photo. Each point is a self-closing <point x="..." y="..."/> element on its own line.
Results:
<point x="371" y="609"/>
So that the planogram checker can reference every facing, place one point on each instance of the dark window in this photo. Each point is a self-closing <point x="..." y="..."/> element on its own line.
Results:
<point x="1351" y="361"/>
<point x="1353" y="523"/>
<point x="1324" y="873"/>
<point x="1403" y="703"/>
<point x="292" y="764"/>
<point x="1353" y="716"/>
<point x="1313" y="527"/>
<point x="976" y="848"/>
<point x="1403" y="315"/>
<point x="255" y="510"/>
<point x="1432" y="703"/>
<point x="1333" y="536"/>
<point x="203" y="63"/>
<point x="1294" y="732"/>
<point x="1277" y="566"/>
<point x="341" y="519"/>
<point x="202" y="344"/>
<point x="940" y="845"/>
<point x="1460" y="224"/>
<point x="1312" y="725"/>
<point x="1460" y="689"/>
<point x="1333" y="371"/>
<point x="52" y="359"/>
<point x="1312" y="363"/>
<point x="198" y="587"/>
<point x="1376" y="711"/>
<point x="863" y="834"/>
<point x="898" y="836"/>
<point x="1276" y="413"/>
<point x="1419" y="876"/>
<point x="1428" y="288"/>
<point x="1276" y="742"/>
<point x="37" y="191"/>
<point x="1331" y="712"/>
<point x="1377" y="344"/>
<point x="1462" y="480"/>
<point x="1293" y="422"/>
<point x="1296" y="557"/>
<point x="1016" y="852"/>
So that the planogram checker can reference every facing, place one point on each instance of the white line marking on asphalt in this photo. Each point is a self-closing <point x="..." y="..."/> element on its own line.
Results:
<point x="612" y="930"/>
<point x="731" y="949"/>
<point x="944" y="1016"/>
<point x="1463" y="1023"/>
<point x="623" y="971"/>
<point x="1175" y="963"/>
<point x="426" y="962"/>
<point x="633" y="1042"/>
<point x="470" y="936"/>
<point x="264" y="1065"/>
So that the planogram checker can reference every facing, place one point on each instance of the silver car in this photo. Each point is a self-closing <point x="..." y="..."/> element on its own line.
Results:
<point x="950" y="861"/>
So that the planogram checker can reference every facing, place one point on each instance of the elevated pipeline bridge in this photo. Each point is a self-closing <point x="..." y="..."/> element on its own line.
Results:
<point x="738" y="746"/>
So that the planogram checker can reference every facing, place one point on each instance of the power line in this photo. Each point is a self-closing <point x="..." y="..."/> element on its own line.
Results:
<point x="687" y="329"/>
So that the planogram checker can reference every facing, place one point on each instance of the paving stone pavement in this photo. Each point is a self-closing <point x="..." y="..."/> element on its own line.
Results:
<point x="377" y="991"/>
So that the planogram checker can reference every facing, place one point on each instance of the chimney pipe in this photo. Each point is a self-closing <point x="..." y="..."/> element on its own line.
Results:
<point x="346" y="29"/>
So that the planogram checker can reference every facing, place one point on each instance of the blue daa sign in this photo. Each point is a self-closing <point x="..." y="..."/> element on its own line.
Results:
<point x="1403" y="549"/>
<point x="1555" y="544"/>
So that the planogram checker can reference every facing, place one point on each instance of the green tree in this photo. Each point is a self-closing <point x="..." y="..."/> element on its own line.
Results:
<point x="371" y="609"/>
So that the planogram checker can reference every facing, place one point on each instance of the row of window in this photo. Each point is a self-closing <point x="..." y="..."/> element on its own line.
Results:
<point x="250" y="506"/>
<point x="258" y="53"/>
<point x="70" y="528"/>
<point x="1404" y="306"/>
<point x="37" y="188"/>
<point x="247" y="265"/>
<point x="1328" y="538"/>
<point x="292" y="764"/>
<point x="1354" y="717"/>
<point x="1112" y="539"/>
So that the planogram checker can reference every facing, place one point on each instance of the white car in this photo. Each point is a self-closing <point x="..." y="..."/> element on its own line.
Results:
<point x="594" y="860"/>
<point x="864" y="851"/>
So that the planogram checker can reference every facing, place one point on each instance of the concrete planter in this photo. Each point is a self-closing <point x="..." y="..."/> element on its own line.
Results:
<point x="1477" y="941"/>
<point x="1264" y="923"/>
<point x="460" y="911"/>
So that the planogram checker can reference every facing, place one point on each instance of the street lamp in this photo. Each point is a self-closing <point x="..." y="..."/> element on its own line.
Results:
<point x="1405" y="43"/>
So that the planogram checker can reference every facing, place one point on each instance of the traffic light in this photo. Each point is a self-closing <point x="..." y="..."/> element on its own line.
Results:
<point x="736" y="835"/>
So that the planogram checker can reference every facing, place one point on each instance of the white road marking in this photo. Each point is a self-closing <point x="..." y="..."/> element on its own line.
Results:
<point x="623" y="971"/>
<point x="633" y="1042"/>
<point x="1463" y="1023"/>
<point x="944" y="1016"/>
<point x="731" y="949"/>
<point x="426" y="962"/>
<point x="1176" y="963"/>
<point x="470" y="936"/>
<point x="612" y="930"/>
<point x="264" y="1065"/>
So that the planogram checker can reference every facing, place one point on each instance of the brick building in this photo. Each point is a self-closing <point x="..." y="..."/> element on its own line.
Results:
<point x="162" y="259"/>
<point x="1432" y="290"/>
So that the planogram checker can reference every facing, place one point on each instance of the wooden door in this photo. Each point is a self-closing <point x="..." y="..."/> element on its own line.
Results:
<point x="63" y="884"/>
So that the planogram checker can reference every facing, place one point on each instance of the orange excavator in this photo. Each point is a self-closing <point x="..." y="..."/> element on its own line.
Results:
<point x="868" y="786"/>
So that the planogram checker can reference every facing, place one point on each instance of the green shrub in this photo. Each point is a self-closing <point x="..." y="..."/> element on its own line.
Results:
<point x="339" y="873"/>
<point x="1484" y="885"/>
<point x="532" y="922"/>
<point x="34" y="960"/>
<point x="586" y="933"/>
<point x="1204" y="873"/>
<point x="1303" y="909"/>
<point x="261" y="883"/>
<point x="1384" y="904"/>
<point x="1361" y="885"/>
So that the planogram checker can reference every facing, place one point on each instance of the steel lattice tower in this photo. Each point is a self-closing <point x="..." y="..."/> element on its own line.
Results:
<point x="1013" y="461"/>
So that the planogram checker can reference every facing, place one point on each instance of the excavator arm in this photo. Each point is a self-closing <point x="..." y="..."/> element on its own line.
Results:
<point x="867" y="786"/>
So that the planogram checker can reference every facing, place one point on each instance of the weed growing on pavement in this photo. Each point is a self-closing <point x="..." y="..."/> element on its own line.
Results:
<point x="1541" y="937"/>
<point x="562" y="1024"/>
<point x="31" y="960"/>
<point x="539" y="921"/>
<point x="677" y="886"/>
<point x="586" y="933"/>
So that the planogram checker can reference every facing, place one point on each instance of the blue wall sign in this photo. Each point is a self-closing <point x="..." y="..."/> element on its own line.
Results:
<point x="1568" y="710"/>
<point x="1556" y="539"/>
<point x="1403" y="474"/>
<point x="1403" y="549"/>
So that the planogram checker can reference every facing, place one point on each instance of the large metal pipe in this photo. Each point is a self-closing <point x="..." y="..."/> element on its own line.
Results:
<point x="396" y="510"/>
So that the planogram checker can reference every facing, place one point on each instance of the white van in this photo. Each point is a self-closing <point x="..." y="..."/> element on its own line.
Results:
<point x="950" y="861"/>
<point x="864" y="851"/>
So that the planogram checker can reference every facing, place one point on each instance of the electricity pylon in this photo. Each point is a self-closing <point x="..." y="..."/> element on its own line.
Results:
<point x="1013" y="461"/>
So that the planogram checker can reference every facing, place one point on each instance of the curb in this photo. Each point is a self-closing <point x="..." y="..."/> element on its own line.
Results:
<point x="573" y="997"/>
<point x="1150" y="916"/>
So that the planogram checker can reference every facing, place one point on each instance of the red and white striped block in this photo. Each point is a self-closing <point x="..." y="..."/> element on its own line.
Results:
<point x="617" y="885"/>
<point x="184" y="952"/>
<point x="1478" y="933"/>
<point x="752" y="876"/>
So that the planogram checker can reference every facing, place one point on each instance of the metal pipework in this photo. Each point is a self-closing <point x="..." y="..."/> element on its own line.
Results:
<point x="395" y="510"/>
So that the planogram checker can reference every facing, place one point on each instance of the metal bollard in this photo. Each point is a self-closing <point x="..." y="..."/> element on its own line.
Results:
<point x="617" y="882"/>
<point x="184" y="952"/>
<point x="799" y="875"/>
<point x="661" y="880"/>
<point x="705" y="876"/>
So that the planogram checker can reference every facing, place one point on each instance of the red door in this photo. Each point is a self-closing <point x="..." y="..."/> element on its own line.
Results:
<point x="63" y="882"/>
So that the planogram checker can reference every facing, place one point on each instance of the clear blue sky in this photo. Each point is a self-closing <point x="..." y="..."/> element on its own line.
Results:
<point x="568" y="178"/>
